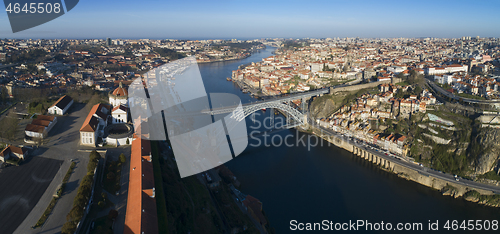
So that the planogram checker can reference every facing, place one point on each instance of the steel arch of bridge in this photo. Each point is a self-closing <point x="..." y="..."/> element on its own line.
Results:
<point x="249" y="109"/>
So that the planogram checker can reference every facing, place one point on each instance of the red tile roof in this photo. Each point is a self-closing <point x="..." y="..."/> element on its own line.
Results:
<point x="34" y="128"/>
<point x="13" y="149"/>
<point x="41" y="122"/>
<point x="91" y="122"/>
<point x="141" y="215"/>
<point x="120" y="91"/>
<point x="45" y="117"/>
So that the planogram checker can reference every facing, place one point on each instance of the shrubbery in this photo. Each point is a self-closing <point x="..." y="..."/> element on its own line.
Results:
<point x="83" y="195"/>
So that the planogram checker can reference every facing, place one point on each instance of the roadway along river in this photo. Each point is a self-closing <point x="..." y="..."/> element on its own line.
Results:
<point x="327" y="183"/>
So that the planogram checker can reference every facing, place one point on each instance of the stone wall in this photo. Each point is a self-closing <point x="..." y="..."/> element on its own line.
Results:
<point x="357" y="87"/>
<point x="400" y="170"/>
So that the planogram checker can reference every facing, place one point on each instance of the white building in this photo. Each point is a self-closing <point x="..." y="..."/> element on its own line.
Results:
<point x="446" y="69"/>
<point x="119" y="114"/>
<point x="443" y="79"/>
<point x="35" y="131"/>
<point x="61" y="106"/>
<point x="13" y="151"/>
<point x="396" y="69"/>
<point x="39" y="127"/>
<point x="93" y="126"/>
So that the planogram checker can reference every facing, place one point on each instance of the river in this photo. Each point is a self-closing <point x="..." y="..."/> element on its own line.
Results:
<point x="312" y="184"/>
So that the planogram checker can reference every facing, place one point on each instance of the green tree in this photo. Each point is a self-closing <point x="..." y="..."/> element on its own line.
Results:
<point x="400" y="75"/>
<point x="122" y="157"/>
<point x="94" y="155"/>
<point x="68" y="227"/>
<point x="76" y="213"/>
<point x="91" y="167"/>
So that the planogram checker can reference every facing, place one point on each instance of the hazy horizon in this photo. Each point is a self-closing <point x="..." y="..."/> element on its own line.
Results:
<point x="196" y="19"/>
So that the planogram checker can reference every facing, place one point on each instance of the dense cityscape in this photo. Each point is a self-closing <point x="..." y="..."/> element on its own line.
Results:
<point x="427" y="104"/>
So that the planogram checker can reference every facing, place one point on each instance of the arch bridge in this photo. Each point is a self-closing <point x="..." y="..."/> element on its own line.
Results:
<point x="294" y="117"/>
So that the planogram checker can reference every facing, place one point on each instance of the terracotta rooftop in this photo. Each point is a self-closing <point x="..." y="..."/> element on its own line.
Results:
<point x="13" y="149"/>
<point x="41" y="122"/>
<point x="46" y="117"/>
<point x="34" y="128"/>
<point x="141" y="215"/>
<point x="90" y="124"/>
<point x="120" y="91"/>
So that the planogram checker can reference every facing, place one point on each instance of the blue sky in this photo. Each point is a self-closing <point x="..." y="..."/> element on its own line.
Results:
<point x="245" y="19"/>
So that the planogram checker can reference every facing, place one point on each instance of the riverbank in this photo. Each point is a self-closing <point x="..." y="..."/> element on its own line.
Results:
<point x="255" y="93"/>
<point x="421" y="175"/>
<point x="224" y="60"/>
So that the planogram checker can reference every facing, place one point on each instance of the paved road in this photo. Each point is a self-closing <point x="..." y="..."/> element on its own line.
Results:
<point x="61" y="144"/>
<point x="420" y="169"/>
<point x="450" y="95"/>
<point x="21" y="187"/>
